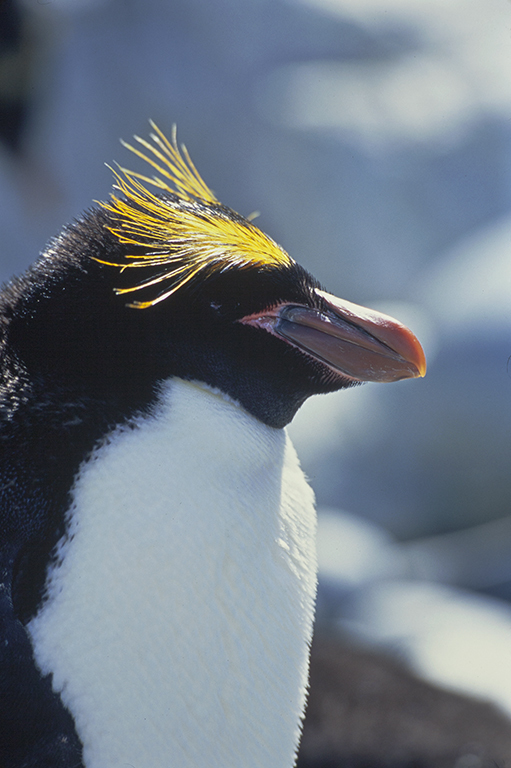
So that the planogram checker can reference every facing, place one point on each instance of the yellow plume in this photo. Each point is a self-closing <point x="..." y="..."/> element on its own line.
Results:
<point x="184" y="232"/>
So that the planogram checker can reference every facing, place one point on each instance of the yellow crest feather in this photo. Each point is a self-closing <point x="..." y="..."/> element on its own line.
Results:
<point x="186" y="233"/>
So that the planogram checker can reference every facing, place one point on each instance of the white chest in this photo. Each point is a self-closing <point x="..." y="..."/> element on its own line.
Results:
<point x="178" y="621"/>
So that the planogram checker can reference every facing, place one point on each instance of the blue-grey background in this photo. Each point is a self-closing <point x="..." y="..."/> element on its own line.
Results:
<point x="375" y="139"/>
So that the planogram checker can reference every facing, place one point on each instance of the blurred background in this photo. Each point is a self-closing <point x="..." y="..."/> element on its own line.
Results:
<point x="374" y="136"/>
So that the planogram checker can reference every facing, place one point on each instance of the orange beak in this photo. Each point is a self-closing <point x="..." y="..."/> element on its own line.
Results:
<point x="359" y="343"/>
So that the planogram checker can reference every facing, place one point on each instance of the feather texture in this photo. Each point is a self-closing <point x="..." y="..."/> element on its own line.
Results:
<point x="180" y="231"/>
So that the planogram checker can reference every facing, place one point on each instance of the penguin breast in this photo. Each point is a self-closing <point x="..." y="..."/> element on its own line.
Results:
<point x="180" y="609"/>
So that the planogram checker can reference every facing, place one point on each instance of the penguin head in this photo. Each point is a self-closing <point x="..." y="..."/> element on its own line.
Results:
<point x="163" y="280"/>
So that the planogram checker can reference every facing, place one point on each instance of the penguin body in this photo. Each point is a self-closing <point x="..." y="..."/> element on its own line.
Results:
<point x="157" y="535"/>
<point x="226" y="508"/>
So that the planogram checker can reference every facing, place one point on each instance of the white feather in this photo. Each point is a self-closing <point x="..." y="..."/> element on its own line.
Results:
<point x="179" y="617"/>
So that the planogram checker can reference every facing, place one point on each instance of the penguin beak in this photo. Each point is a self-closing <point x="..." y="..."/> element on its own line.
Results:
<point x="359" y="343"/>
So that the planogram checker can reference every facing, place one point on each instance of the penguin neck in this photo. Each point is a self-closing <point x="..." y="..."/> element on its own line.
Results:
<point x="179" y="615"/>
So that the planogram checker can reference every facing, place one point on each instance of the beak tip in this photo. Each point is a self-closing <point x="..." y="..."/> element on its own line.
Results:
<point x="407" y="345"/>
<point x="420" y="359"/>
